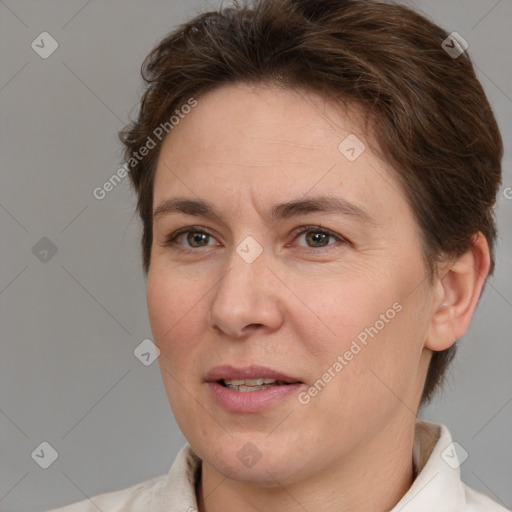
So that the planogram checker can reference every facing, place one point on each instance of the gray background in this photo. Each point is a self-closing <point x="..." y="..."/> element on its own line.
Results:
<point x="70" y="324"/>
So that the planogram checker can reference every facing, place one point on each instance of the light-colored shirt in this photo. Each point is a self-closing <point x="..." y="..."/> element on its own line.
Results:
<point x="436" y="488"/>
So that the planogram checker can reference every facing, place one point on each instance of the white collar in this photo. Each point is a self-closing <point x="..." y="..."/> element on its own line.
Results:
<point x="437" y="485"/>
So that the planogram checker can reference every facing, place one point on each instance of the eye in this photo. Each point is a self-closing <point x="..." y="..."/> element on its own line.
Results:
<point x="195" y="238"/>
<point x="317" y="237"/>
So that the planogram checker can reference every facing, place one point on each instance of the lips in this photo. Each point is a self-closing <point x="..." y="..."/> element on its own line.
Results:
<point x="250" y="376"/>
<point x="252" y="389"/>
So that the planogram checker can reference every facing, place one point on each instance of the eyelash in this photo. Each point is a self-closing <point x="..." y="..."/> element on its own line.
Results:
<point x="171" y="239"/>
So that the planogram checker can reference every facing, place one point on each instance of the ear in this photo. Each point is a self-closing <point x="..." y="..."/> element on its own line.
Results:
<point x="457" y="290"/>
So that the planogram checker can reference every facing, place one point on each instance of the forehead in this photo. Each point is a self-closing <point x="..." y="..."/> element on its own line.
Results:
<point x="275" y="144"/>
<point x="291" y="120"/>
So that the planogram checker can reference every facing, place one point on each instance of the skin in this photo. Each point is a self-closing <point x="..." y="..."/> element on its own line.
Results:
<point x="299" y="305"/>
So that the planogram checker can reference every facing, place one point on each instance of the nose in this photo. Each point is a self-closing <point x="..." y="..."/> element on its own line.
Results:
<point x="246" y="299"/>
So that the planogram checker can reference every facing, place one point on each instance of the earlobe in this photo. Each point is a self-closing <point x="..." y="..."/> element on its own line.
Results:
<point x="458" y="289"/>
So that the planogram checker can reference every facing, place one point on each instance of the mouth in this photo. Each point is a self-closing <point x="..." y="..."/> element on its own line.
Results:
<point x="248" y="385"/>
<point x="251" y="377"/>
<point x="251" y="388"/>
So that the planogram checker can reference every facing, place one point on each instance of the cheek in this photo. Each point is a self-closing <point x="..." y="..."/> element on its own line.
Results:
<point x="160" y="305"/>
<point x="339" y="310"/>
<point x="173" y="307"/>
<point x="375" y="324"/>
<point x="173" y="315"/>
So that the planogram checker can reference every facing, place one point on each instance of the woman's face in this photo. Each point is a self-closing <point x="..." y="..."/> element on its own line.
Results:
<point x="302" y="264"/>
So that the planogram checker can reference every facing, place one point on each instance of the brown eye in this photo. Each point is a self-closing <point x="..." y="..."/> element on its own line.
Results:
<point x="189" y="238"/>
<point x="198" y="238"/>
<point x="318" y="238"/>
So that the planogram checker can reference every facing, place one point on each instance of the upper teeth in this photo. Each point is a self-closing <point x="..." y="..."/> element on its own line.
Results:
<point x="249" y="382"/>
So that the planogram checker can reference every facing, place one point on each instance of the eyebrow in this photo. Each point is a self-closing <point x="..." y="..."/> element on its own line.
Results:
<point x="322" y="204"/>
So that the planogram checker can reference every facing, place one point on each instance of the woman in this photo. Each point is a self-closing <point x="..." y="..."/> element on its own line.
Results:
<point x="316" y="182"/>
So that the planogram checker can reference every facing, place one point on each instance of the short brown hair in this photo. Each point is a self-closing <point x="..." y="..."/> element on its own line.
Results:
<point x="428" y="111"/>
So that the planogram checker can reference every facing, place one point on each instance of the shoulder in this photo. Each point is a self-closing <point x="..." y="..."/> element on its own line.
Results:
<point x="133" y="498"/>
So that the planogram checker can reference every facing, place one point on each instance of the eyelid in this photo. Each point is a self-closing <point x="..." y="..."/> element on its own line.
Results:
<point x="315" y="227"/>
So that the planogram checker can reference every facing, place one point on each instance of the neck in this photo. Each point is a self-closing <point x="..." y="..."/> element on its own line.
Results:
<point x="371" y="479"/>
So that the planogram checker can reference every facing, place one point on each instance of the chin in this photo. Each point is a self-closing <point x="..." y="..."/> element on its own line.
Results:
<point x="254" y="459"/>
<point x="264" y="473"/>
